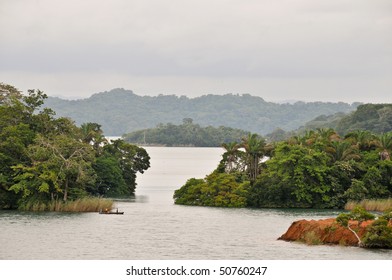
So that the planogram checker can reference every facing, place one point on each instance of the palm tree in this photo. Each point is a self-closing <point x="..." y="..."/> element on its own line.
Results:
<point x="297" y="140"/>
<point x="90" y="131"/>
<point x="342" y="151"/>
<point x="255" y="148"/>
<point x="327" y="135"/>
<point x="363" y="139"/>
<point x="384" y="143"/>
<point x="308" y="138"/>
<point x="230" y="154"/>
<point x="92" y="134"/>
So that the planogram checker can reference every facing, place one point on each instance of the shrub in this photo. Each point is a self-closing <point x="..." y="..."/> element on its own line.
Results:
<point x="312" y="238"/>
<point x="379" y="235"/>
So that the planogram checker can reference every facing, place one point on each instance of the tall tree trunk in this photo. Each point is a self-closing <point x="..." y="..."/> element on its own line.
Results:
<point x="66" y="190"/>
<point x="254" y="167"/>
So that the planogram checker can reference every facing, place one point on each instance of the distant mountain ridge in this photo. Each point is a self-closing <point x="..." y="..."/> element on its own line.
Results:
<point x="121" y="111"/>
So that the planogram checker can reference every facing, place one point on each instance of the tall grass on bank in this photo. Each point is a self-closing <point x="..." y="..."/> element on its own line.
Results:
<point x="87" y="204"/>
<point x="379" y="205"/>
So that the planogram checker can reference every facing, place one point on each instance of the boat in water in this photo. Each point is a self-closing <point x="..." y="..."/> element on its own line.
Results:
<point x="106" y="211"/>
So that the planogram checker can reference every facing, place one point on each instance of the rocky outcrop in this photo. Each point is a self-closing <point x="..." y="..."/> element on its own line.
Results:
<point x="326" y="231"/>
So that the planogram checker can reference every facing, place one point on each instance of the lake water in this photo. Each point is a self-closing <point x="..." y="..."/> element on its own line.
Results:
<point x="152" y="227"/>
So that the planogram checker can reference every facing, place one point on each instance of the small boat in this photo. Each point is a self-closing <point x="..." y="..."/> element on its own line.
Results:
<point x="106" y="211"/>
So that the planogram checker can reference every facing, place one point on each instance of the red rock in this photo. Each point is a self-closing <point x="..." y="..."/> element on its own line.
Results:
<point x="326" y="231"/>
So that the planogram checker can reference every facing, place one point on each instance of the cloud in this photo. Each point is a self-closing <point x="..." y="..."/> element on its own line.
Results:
<point x="341" y="41"/>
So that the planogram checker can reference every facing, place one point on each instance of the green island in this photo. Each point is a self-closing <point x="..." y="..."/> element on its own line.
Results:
<point x="50" y="164"/>
<point x="186" y="134"/>
<point x="319" y="169"/>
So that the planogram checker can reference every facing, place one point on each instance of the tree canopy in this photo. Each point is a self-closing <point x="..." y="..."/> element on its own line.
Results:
<point x="375" y="118"/>
<point x="319" y="169"/>
<point x="186" y="134"/>
<point x="43" y="158"/>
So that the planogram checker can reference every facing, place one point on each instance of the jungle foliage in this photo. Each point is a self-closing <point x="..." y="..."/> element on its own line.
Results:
<point x="186" y="134"/>
<point x="377" y="235"/>
<point x="319" y="169"/>
<point x="44" y="159"/>
<point x="376" y="118"/>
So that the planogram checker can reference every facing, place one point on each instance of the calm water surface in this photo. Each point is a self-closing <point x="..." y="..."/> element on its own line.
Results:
<point x="154" y="228"/>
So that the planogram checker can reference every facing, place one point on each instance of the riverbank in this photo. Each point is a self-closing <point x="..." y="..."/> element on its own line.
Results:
<point x="379" y="205"/>
<point x="326" y="231"/>
<point x="375" y="233"/>
<point x="87" y="204"/>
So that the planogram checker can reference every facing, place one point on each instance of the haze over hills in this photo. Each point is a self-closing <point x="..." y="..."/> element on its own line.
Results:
<point x="121" y="111"/>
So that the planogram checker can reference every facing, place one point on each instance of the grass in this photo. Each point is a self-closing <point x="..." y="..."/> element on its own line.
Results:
<point x="87" y="204"/>
<point x="379" y="205"/>
<point x="311" y="238"/>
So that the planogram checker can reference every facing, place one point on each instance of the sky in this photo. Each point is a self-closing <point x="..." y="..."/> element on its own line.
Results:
<point x="309" y="50"/>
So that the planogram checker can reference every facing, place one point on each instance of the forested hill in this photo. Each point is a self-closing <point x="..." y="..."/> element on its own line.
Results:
<point x="376" y="118"/>
<point x="121" y="111"/>
<point x="186" y="134"/>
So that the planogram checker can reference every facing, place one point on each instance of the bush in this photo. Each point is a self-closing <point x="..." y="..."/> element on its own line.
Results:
<point x="379" y="235"/>
<point x="217" y="189"/>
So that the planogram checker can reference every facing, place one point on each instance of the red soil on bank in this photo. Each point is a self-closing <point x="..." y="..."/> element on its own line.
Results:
<point x="326" y="231"/>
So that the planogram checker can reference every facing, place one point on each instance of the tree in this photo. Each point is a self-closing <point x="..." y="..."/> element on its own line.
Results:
<point x="327" y="135"/>
<point x="43" y="158"/>
<point x="14" y="140"/>
<point x="18" y="127"/>
<point x="58" y="164"/>
<point x="362" y="139"/>
<point x="91" y="133"/>
<point x="231" y="155"/>
<point x="110" y="181"/>
<point x="34" y="100"/>
<point x="384" y="143"/>
<point x="254" y="147"/>
<point x="8" y="93"/>
<point x="131" y="159"/>
<point x="357" y="214"/>
<point x="378" y="235"/>
<point x="342" y="151"/>
<point x="217" y="189"/>
<point x="187" y="121"/>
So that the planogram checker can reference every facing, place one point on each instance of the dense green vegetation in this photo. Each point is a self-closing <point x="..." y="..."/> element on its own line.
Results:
<point x="376" y="118"/>
<point x="229" y="185"/>
<point x="44" y="159"/>
<point x="186" y="134"/>
<point x="319" y="169"/>
<point x="378" y="234"/>
<point x="121" y="111"/>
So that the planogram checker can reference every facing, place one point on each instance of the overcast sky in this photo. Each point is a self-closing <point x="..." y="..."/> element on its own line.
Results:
<point x="328" y="50"/>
